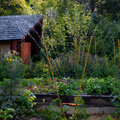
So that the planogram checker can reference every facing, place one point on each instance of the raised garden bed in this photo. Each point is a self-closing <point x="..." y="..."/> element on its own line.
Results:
<point x="93" y="104"/>
<point x="90" y="100"/>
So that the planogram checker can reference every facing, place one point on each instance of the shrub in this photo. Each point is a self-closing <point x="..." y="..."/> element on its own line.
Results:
<point x="41" y="69"/>
<point x="11" y="72"/>
<point x="6" y="113"/>
<point x="38" y="69"/>
<point x="18" y="106"/>
<point x="65" y="66"/>
<point x="29" y="71"/>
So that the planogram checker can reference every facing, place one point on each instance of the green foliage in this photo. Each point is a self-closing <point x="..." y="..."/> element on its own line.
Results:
<point x="99" y="86"/>
<point x="80" y="101"/>
<point x="62" y="67"/>
<point x="11" y="73"/>
<point x="100" y="70"/>
<point x="108" y="118"/>
<point x="18" y="106"/>
<point x="27" y="99"/>
<point x="63" y="29"/>
<point x="9" y="68"/>
<point x="14" y="7"/>
<point x="50" y="113"/>
<point x="94" y="86"/>
<point x="29" y="73"/>
<point x="6" y="113"/>
<point x="106" y="8"/>
<point x="66" y="23"/>
<point x="65" y="89"/>
<point x="3" y="68"/>
<point x="116" y="99"/>
<point x="41" y="6"/>
<point x="39" y="69"/>
<point x="105" y="31"/>
<point x="70" y="88"/>
<point x="65" y="66"/>
<point x="81" y="112"/>
<point x="33" y="81"/>
<point x="39" y="85"/>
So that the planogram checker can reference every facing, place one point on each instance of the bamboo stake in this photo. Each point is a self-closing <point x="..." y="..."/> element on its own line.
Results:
<point x="83" y="75"/>
<point x="76" y="60"/>
<point x="53" y="76"/>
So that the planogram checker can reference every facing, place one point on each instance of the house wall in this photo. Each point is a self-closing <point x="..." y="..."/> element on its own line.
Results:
<point x="4" y="48"/>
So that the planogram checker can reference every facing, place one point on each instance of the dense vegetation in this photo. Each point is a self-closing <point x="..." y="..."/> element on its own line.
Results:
<point x="67" y="27"/>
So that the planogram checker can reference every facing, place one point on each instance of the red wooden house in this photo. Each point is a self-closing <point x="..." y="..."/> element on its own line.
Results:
<point x="21" y="33"/>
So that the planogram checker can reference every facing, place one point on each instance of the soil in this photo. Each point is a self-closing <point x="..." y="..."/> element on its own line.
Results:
<point x="100" y="117"/>
<point x="90" y="117"/>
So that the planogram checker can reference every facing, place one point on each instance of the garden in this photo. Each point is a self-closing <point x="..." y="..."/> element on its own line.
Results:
<point x="79" y="58"/>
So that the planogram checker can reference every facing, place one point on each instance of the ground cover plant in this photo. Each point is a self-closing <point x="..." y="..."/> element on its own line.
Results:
<point x="91" y="86"/>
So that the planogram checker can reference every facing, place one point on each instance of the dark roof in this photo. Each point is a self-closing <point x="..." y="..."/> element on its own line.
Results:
<point x="16" y="27"/>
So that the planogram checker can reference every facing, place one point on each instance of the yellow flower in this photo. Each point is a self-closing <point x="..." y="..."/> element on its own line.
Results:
<point x="13" y="60"/>
<point x="7" y="59"/>
<point x="10" y="59"/>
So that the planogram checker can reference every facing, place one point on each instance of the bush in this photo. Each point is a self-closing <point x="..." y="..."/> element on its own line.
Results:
<point x="12" y="73"/>
<point x="65" y="66"/>
<point x="29" y="71"/>
<point x="41" y="69"/>
<point x="10" y="103"/>
<point x="38" y="69"/>
<point x="18" y="106"/>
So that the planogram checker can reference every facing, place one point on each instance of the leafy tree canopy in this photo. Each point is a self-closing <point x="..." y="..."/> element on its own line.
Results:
<point x="109" y="8"/>
<point x="14" y="7"/>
